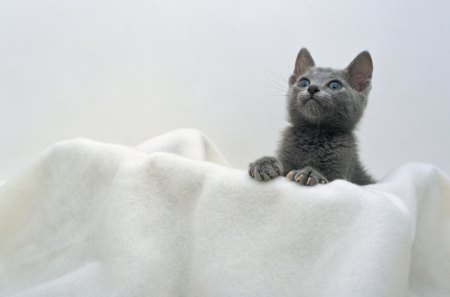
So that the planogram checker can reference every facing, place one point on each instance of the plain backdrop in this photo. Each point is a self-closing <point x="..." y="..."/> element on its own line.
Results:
<point x="125" y="71"/>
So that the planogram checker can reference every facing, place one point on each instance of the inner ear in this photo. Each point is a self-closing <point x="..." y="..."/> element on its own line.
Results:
<point x="303" y="63"/>
<point x="359" y="72"/>
<point x="292" y="79"/>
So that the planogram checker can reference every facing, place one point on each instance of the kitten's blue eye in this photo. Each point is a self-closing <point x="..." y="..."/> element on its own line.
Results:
<point x="303" y="83"/>
<point x="334" y="85"/>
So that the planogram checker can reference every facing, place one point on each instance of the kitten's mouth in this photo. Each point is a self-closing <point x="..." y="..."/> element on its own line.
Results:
<point x="312" y="99"/>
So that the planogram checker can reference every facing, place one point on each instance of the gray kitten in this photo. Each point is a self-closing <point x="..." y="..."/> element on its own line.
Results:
<point x="324" y="106"/>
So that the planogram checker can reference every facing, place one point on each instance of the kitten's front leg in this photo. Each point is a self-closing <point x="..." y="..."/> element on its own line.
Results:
<point x="307" y="176"/>
<point x="265" y="169"/>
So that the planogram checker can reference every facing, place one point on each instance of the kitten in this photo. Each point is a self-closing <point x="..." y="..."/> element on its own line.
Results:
<point x="324" y="106"/>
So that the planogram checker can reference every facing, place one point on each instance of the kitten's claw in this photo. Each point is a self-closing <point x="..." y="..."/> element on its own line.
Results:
<point x="265" y="169"/>
<point x="307" y="176"/>
<point x="290" y="175"/>
<point x="277" y="170"/>
<point x="299" y="178"/>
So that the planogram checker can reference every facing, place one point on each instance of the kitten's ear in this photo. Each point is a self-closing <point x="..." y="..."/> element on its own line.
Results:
<point x="359" y="72"/>
<point x="303" y="62"/>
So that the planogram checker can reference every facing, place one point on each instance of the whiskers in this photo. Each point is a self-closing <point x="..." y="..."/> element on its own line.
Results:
<point x="278" y="84"/>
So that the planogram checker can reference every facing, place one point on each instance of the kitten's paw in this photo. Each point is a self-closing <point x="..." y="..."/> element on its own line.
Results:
<point x="307" y="176"/>
<point x="265" y="168"/>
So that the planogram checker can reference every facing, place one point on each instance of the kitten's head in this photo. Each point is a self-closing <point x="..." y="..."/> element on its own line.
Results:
<point x="328" y="97"/>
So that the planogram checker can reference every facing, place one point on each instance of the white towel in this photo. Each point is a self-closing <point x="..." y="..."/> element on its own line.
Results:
<point x="171" y="218"/>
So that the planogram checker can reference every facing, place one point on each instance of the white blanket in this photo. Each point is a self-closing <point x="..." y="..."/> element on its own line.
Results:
<point x="170" y="218"/>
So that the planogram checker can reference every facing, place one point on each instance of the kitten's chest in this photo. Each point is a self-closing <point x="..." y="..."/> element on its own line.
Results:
<point x="313" y="149"/>
<point x="316" y="149"/>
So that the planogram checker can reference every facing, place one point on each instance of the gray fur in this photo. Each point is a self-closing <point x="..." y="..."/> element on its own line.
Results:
<point x="319" y="145"/>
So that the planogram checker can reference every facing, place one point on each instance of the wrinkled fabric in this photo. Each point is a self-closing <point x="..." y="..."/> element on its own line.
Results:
<point x="170" y="217"/>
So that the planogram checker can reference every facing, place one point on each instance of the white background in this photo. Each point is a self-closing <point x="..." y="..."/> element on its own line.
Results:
<point x="125" y="71"/>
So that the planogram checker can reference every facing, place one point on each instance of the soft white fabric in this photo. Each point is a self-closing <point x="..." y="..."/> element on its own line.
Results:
<point x="171" y="218"/>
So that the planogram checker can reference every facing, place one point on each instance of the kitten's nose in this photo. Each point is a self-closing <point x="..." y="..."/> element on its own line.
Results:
<point x="312" y="89"/>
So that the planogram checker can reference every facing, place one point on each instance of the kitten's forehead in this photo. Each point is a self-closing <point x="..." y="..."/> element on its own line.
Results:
<point x="321" y="73"/>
